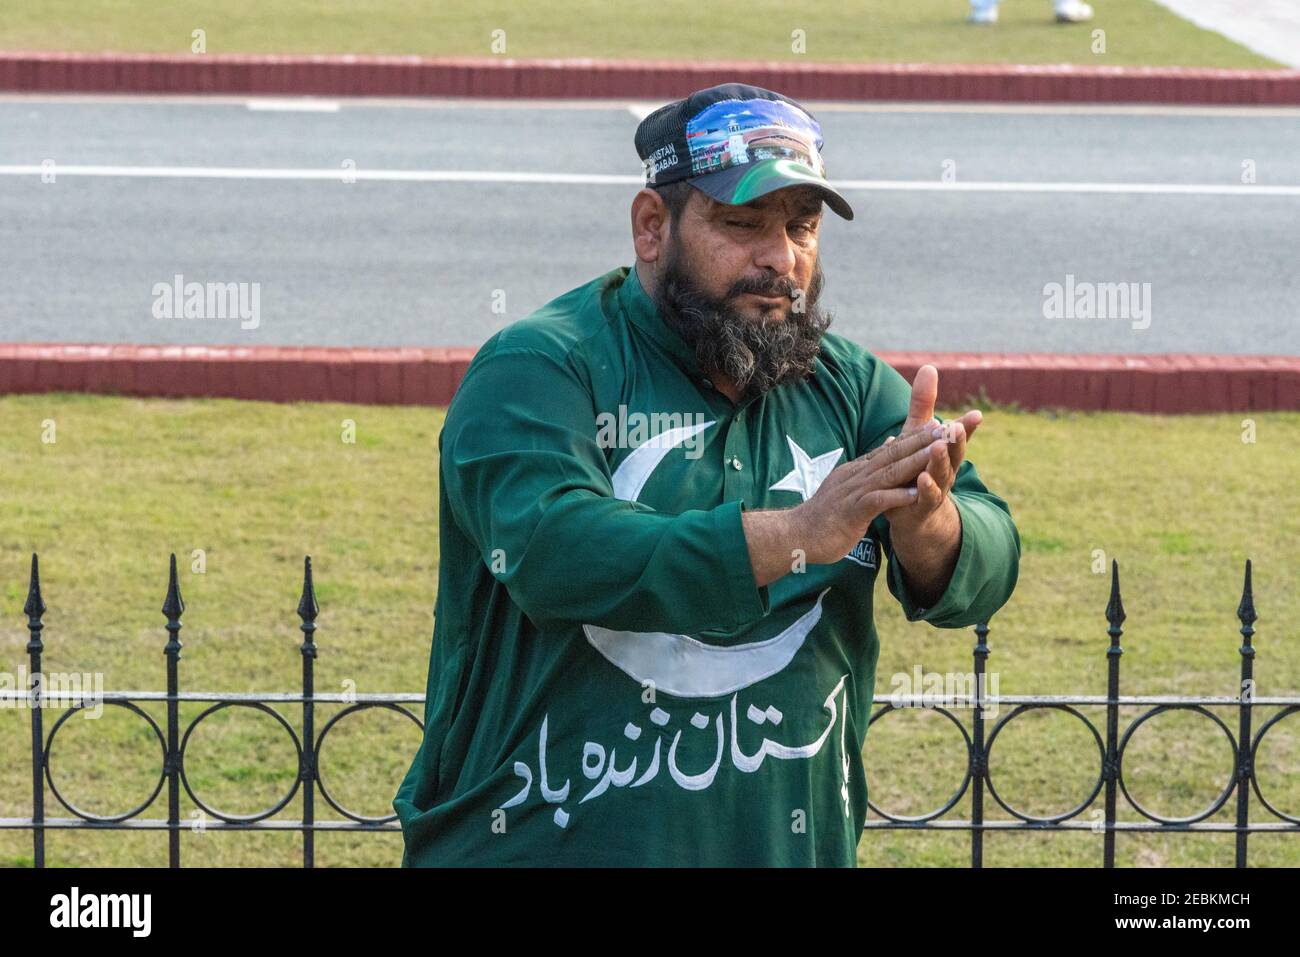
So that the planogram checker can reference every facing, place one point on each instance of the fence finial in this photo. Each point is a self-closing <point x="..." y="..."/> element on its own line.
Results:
<point x="174" y="604"/>
<point x="35" y="606"/>
<point x="1115" y="607"/>
<point x="1246" y="608"/>
<point x="307" y="606"/>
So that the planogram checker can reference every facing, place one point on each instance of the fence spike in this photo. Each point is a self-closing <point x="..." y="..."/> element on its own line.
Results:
<point x="1246" y="608"/>
<point x="174" y="604"/>
<point x="35" y="606"/>
<point x="307" y="606"/>
<point x="1246" y="614"/>
<point x="1115" y="607"/>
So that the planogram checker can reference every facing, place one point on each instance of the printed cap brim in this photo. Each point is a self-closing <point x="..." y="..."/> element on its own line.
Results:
<point x="740" y="184"/>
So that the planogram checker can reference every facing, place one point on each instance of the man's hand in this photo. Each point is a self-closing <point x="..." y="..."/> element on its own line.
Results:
<point x="940" y="472"/>
<point x="826" y="527"/>
<point x="926" y="535"/>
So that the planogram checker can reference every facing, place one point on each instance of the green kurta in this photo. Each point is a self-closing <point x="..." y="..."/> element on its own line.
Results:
<point x="607" y="684"/>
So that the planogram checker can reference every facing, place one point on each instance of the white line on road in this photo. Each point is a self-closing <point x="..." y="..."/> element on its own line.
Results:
<point x="1174" y="189"/>
<point x="597" y="179"/>
<point x="642" y="110"/>
<point x="385" y="175"/>
<point x="293" y="106"/>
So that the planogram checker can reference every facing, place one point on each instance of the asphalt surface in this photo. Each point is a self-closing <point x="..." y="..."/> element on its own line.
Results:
<point x="1105" y="195"/>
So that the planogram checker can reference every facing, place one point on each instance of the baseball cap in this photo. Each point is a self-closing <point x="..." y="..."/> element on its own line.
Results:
<point x="736" y="142"/>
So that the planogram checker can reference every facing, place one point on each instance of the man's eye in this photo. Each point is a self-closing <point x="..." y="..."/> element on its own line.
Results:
<point x="805" y="228"/>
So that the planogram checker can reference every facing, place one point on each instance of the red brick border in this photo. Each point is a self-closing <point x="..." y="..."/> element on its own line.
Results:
<point x="429" y="376"/>
<point x="502" y="77"/>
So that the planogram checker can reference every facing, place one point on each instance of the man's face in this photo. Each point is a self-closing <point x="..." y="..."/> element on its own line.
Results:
<point x="741" y="283"/>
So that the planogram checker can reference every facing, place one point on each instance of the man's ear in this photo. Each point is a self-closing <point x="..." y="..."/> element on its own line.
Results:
<point x="650" y="225"/>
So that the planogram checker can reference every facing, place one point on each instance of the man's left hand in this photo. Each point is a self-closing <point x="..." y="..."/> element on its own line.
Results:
<point x="927" y="534"/>
<point x="933" y="485"/>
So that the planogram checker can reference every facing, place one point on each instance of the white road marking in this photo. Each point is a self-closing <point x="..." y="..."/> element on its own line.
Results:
<point x="1176" y="189"/>
<point x="297" y="105"/>
<point x="597" y="179"/>
<point x="1058" y="109"/>
<point x="642" y="110"/>
<point x="385" y="175"/>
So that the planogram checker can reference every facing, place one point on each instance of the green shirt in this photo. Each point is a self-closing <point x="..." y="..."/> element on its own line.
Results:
<point x="607" y="683"/>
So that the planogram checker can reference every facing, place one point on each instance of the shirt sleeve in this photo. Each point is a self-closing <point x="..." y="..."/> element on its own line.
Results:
<point x="529" y="484"/>
<point x="988" y="563"/>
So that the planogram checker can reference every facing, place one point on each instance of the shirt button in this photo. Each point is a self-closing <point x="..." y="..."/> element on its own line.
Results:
<point x="736" y="464"/>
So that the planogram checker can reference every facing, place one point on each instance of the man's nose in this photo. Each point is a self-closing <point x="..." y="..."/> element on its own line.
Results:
<point x="775" y="251"/>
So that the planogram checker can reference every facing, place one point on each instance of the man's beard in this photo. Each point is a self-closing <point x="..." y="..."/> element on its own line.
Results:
<point x="756" y="354"/>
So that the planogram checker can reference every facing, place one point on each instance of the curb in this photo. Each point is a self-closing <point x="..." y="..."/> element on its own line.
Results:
<point x="345" y="75"/>
<point x="1169" y="383"/>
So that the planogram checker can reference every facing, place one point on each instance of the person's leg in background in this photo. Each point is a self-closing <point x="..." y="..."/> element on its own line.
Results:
<point x="1071" y="11"/>
<point x="1067" y="11"/>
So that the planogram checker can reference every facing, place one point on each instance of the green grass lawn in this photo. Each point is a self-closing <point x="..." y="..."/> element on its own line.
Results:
<point x="1180" y="502"/>
<point x="1136" y="31"/>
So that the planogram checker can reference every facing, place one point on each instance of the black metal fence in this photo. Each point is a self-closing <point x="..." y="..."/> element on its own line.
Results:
<point x="173" y="742"/>
<point x="1110" y="749"/>
<point x="978" y="742"/>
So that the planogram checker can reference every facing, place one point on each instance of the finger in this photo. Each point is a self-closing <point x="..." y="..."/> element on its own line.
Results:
<point x="927" y="426"/>
<point x="925" y="391"/>
<point x="882" y="500"/>
<point x="909" y="428"/>
<point x="899" y="447"/>
<point x="940" y="469"/>
<point x="956" y="447"/>
<point x="971" y="420"/>
<point x="891" y="467"/>
<point x="903" y="470"/>
<point x="928" y="494"/>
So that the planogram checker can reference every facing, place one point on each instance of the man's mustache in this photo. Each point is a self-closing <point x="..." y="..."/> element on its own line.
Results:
<point x="779" y="287"/>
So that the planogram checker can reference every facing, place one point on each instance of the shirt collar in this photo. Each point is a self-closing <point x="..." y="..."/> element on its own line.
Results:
<point x="642" y="311"/>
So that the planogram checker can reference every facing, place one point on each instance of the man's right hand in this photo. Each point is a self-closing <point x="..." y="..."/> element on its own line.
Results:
<point x="828" y="525"/>
<point x="825" y="528"/>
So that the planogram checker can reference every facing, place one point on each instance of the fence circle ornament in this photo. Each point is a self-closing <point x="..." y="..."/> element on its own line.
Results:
<point x="1254" y="762"/>
<point x="86" y="815"/>
<point x="965" y="781"/>
<point x="320" y="740"/>
<point x="1216" y="804"/>
<point x="1055" y="818"/>
<point x="241" y="818"/>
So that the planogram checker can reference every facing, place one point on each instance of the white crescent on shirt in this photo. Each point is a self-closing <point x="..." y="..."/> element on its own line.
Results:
<point x="679" y="664"/>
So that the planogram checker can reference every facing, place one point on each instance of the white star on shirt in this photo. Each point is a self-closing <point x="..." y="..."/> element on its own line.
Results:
<point x="808" y="473"/>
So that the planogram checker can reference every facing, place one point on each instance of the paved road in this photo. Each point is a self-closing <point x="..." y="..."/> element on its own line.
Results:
<point x="455" y="201"/>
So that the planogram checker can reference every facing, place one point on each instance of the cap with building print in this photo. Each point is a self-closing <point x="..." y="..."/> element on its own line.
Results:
<point x="736" y="142"/>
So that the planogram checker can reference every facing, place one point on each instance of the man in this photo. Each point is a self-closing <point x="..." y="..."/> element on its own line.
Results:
<point x="664" y="503"/>
<point x="1067" y="11"/>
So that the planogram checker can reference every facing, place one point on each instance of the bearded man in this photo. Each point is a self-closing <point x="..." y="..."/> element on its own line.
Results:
<point x="663" y="652"/>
